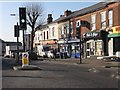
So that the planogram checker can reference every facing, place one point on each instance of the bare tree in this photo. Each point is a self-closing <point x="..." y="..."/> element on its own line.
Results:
<point x="35" y="17"/>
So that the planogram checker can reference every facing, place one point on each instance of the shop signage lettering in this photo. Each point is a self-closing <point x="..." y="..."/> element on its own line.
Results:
<point x="94" y="34"/>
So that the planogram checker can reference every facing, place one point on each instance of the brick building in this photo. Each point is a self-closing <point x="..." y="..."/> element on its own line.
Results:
<point x="102" y="17"/>
<point x="95" y="22"/>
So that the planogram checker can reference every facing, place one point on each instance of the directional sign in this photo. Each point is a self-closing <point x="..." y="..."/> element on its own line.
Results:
<point x="25" y="59"/>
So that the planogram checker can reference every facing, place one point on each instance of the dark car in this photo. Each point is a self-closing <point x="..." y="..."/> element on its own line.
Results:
<point x="32" y="55"/>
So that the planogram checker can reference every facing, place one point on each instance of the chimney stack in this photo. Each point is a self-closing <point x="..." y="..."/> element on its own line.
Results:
<point x="67" y="12"/>
<point x="49" y="19"/>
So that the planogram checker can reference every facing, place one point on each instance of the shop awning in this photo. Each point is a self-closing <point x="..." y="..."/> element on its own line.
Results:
<point x="113" y="35"/>
<point x="61" y="42"/>
<point x="74" y="41"/>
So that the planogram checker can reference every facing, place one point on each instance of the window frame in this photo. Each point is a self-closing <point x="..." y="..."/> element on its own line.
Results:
<point x="103" y="19"/>
<point x="53" y="31"/>
<point x="78" y="23"/>
<point x="110" y="18"/>
<point x="93" y="22"/>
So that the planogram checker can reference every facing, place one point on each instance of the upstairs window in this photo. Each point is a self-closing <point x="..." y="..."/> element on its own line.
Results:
<point x="78" y="23"/>
<point x="53" y="31"/>
<point x="47" y="34"/>
<point x="71" y="27"/>
<point x="62" y="31"/>
<point x="35" y="37"/>
<point x="93" y="22"/>
<point x="38" y="37"/>
<point x="67" y="28"/>
<point x="103" y="20"/>
<point x="110" y="18"/>
<point x="44" y="35"/>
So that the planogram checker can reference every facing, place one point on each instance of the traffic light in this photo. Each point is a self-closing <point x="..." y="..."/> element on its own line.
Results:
<point x="16" y="31"/>
<point x="78" y="32"/>
<point x="22" y="18"/>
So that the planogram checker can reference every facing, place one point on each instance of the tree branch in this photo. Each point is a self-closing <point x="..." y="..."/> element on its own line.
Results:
<point x="29" y="23"/>
<point x="30" y="18"/>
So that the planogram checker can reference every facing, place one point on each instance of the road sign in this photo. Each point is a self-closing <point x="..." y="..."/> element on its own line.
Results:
<point x="25" y="59"/>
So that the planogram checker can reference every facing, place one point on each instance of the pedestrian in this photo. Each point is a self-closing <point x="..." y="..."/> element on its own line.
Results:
<point x="54" y="53"/>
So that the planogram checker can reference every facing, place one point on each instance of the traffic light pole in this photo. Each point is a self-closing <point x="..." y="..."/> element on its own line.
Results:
<point x="23" y="41"/>
<point x="17" y="44"/>
<point x="23" y="25"/>
<point x="80" y="46"/>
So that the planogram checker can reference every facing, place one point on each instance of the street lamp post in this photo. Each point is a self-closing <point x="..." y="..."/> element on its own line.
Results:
<point x="80" y="46"/>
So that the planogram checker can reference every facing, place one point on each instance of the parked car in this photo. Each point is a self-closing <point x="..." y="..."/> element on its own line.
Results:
<point x="7" y="56"/>
<point x="49" y="54"/>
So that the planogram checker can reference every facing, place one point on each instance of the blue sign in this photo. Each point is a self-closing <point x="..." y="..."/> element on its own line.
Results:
<point x="25" y="55"/>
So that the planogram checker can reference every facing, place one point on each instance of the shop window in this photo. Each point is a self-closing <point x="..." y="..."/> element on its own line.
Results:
<point x="116" y="44"/>
<point x="88" y="45"/>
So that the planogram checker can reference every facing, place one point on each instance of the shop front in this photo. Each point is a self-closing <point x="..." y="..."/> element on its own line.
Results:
<point x="74" y="48"/>
<point x="114" y="40"/>
<point x="71" y="47"/>
<point x="95" y="43"/>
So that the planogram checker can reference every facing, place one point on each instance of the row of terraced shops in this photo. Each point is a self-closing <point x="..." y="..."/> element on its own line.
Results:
<point x="99" y="26"/>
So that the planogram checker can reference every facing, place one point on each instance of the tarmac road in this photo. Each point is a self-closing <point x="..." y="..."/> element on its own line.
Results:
<point x="55" y="75"/>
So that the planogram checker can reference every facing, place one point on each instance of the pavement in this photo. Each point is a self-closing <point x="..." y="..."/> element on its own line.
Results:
<point x="74" y="61"/>
<point x="86" y="62"/>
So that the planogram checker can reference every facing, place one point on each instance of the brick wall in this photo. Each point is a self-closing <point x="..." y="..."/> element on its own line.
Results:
<point x="116" y="17"/>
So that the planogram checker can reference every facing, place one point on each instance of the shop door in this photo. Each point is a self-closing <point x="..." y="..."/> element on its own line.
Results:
<point x="99" y="48"/>
<point x="110" y="47"/>
<point x="88" y="49"/>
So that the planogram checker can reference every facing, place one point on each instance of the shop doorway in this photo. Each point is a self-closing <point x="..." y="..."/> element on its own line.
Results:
<point x="90" y="48"/>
